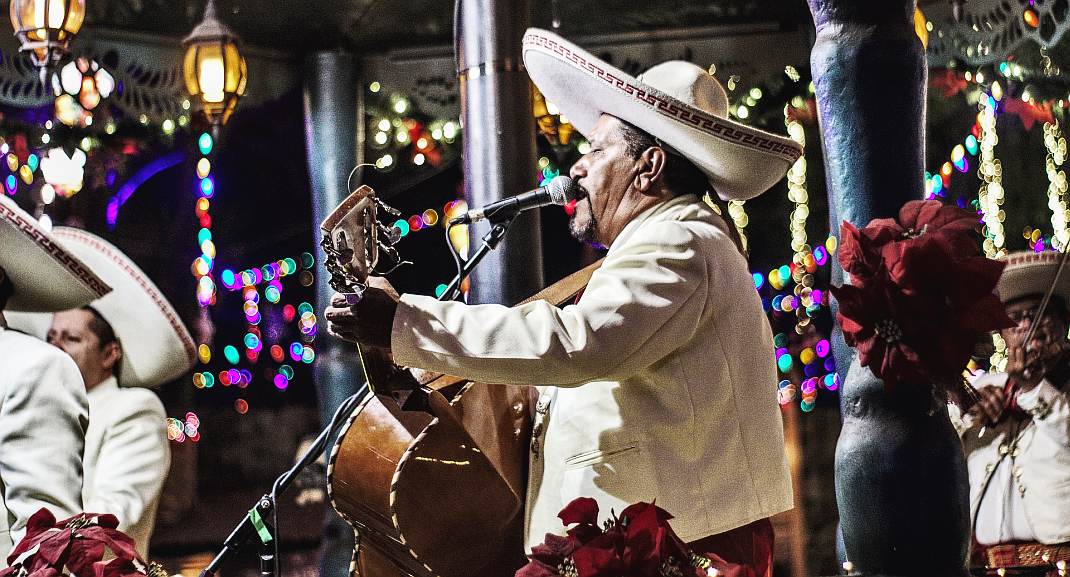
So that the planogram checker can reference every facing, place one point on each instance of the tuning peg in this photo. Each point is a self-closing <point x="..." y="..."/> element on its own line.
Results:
<point x="391" y="234"/>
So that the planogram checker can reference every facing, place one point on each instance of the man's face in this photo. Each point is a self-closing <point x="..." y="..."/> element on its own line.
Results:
<point x="606" y="173"/>
<point x="1051" y="330"/>
<point x="70" y="332"/>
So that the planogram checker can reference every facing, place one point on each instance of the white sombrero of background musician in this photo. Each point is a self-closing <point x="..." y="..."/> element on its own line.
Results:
<point x="124" y="343"/>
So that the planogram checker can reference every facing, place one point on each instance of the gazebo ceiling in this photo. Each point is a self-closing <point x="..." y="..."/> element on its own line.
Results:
<point x="374" y="25"/>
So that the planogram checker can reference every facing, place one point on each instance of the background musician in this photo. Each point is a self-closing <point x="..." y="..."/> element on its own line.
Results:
<point x="1017" y="437"/>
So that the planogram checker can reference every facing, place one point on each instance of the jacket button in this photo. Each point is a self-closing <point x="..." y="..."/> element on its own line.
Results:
<point x="1004" y="449"/>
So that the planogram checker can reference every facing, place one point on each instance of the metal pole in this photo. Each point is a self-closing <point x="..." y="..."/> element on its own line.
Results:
<point x="333" y="115"/>
<point x="499" y="140"/>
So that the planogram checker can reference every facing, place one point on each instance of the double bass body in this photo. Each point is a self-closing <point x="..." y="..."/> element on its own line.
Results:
<point x="438" y="491"/>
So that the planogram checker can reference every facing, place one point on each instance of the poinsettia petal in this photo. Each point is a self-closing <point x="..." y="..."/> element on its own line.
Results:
<point x="84" y="553"/>
<point x="594" y="561"/>
<point x="580" y="510"/>
<point x="536" y="569"/>
<point x="40" y="522"/>
<point x="910" y="212"/>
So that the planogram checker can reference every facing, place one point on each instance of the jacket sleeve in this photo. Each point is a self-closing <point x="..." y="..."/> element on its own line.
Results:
<point x="648" y="297"/>
<point x="134" y="459"/>
<point x="1050" y="411"/>
<point x="42" y="435"/>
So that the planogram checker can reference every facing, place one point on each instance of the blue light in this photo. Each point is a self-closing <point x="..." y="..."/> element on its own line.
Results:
<point x="204" y="143"/>
<point x="203" y="235"/>
<point x="207" y="187"/>
<point x="759" y="280"/>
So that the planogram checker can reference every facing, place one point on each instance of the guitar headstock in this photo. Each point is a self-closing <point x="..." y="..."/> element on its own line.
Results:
<point x="355" y="241"/>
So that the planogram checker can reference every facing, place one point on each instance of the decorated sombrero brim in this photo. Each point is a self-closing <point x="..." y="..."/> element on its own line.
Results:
<point x="740" y="161"/>
<point x="157" y="347"/>
<point x="46" y="276"/>
<point x="1030" y="273"/>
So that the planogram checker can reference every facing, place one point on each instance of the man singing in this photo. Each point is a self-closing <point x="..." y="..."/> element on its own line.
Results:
<point x="662" y="374"/>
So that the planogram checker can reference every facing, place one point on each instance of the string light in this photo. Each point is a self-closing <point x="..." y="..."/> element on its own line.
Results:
<point x="1055" y="144"/>
<point x="740" y="220"/>
<point x="803" y="259"/>
<point x="990" y="196"/>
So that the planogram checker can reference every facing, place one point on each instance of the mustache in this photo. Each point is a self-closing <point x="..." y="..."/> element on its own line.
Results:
<point x="581" y="191"/>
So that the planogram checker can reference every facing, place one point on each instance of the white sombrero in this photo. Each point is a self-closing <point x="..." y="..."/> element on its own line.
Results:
<point x="1030" y="273"/>
<point x="156" y="345"/>
<point x="45" y="275"/>
<point x="677" y="102"/>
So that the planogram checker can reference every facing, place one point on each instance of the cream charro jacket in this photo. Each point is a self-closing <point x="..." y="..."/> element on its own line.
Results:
<point x="43" y="419"/>
<point x="664" y="384"/>
<point x="126" y="457"/>
<point x="1039" y="460"/>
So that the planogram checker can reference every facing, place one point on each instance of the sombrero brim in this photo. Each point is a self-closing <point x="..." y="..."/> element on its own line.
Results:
<point x="1030" y="274"/>
<point x="156" y="345"/>
<point x="45" y="275"/>
<point x="740" y="161"/>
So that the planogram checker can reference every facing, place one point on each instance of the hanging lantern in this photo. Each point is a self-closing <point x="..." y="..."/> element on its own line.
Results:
<point x="215" y="70"/>
<point x="45" y="28"/>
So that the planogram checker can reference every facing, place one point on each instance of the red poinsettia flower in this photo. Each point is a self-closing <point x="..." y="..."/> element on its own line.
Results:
<point x="75" y="543"/>
<point x="922" y="294"/>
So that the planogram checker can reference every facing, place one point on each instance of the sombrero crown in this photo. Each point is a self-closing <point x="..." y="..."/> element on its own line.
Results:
<point x="676" y="102"/>
<point x="1030" y="273"/>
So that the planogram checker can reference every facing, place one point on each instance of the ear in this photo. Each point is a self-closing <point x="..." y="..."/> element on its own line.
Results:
<point x="651" y="168"/>
<point x="113" y="353"/>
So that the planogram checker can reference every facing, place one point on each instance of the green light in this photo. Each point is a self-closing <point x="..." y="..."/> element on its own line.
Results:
<point x="307" y="260"/>
<point x="288" y="371"/>
<point x="203" y="235"/>
<point x="304" y="308"/>
<point x="784" y="363"/>
<point x="439" y="290"/>
<point x="209" y="380"/>
<point x="231" y="354"/>
<point x="403" y="226"/>
<point x="291" y="266"/>
<point x="780" y="340"/>
<point x="204" y="143"/>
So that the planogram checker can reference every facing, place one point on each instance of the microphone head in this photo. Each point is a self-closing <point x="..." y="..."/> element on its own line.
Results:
<point x="563" y="189"/>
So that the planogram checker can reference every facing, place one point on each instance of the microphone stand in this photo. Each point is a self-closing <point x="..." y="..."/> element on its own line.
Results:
<point x="491" y="240"/>
<point x="254" y="525"/>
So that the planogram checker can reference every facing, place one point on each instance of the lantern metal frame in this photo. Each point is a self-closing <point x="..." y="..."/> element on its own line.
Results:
<point x="46" y="45"/>
<point x="209" y="38"/>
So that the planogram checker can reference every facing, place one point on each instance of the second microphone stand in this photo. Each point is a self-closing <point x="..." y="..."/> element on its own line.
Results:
<point x="491" y="240"/>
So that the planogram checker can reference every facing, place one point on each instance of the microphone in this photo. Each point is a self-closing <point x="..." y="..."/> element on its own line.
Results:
<point x="560" y="190"/>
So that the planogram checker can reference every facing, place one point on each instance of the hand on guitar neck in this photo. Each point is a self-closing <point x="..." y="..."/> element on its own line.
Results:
<point x="369" y="321"/>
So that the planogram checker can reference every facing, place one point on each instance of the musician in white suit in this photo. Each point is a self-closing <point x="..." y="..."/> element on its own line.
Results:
<point x="124" y="344"/>
<point x="1017" y="438"/>
<point x="663" y="376"/>
<point x="43" y="408"/>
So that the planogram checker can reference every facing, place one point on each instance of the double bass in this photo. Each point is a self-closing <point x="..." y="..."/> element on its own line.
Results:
<point x="430" y="469"/>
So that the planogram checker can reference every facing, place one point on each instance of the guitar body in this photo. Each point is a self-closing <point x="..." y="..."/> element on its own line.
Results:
<point x="439" y="492"/>
<point x="430" y="470"/>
